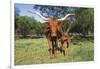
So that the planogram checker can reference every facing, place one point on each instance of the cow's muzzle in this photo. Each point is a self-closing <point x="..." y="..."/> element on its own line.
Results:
<point x="53" y="34"/>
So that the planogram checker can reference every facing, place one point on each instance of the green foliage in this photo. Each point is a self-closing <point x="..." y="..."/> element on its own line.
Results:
<point x="27" y="26"/>
<point x="85" y="20"/>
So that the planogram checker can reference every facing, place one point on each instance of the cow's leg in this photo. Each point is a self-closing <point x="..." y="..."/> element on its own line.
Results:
<point x="55" y="52"/>
<point x="65" y="48"/>
<point x="50" y="48"/>
<point x="67" y="51"/>
<point x="55" y="49"/>
<point x="61" y="49"/>
<point x="54" y="44"/>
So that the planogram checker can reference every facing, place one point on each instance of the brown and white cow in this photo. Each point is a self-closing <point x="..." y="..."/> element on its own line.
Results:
<point x="53" y="32"/>
<point x="65" y="41"/>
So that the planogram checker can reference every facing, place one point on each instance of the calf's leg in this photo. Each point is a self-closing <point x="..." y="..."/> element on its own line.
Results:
<point x="65" y="48"/>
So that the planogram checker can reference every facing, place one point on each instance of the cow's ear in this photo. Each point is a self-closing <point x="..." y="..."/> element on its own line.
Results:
<point x="46" y="24"/>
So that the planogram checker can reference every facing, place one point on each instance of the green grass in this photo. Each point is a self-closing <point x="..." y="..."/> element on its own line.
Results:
<point x="35" y="51"/>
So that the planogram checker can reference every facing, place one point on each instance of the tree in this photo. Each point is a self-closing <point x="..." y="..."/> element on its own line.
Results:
<point x="53" y="11"/>
<point x="85" y="20"/>
<point x="25" y="26"/>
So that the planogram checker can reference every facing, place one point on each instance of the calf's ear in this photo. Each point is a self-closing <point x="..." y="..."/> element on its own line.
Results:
<point x="72" y="37"/>
<point x="60" y="23"/>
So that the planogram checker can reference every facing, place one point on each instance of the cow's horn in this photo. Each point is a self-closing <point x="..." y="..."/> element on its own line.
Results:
<point x="61" y="19"/>
<point x="44" y="18"/>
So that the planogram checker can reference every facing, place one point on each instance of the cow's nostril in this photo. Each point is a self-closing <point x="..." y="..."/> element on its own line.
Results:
<point x="53" y="34"/>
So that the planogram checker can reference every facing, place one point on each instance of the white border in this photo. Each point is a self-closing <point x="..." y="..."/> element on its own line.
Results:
<point x="47" y="2"/>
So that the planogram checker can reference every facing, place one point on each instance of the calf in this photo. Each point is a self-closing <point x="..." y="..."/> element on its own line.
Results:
<point x="65" y="41"/>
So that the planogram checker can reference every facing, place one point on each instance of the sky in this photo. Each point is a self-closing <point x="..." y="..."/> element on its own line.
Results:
<point x="24" y="10"/>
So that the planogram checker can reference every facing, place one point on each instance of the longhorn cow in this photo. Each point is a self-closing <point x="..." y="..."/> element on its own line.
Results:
<point x="53" y="32"/>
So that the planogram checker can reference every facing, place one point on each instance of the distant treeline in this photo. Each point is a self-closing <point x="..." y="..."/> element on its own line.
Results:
<point x="27" y="26"/>
<point x="83" y="24"/>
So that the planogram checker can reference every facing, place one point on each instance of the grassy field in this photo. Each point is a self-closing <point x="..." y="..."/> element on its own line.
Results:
<point x="35" y="51"/>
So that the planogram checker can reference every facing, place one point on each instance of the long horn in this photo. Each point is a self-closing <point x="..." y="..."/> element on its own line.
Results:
<point x="44" y="18"/>
<point x="62" y="19"/>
